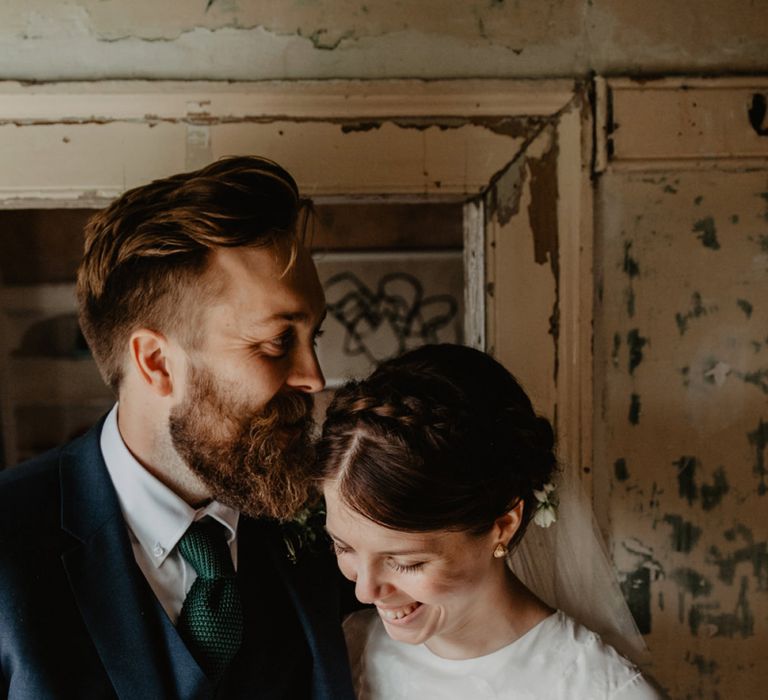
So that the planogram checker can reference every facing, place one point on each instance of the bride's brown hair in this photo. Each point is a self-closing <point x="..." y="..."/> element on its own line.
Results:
<point x="442" y="437"/>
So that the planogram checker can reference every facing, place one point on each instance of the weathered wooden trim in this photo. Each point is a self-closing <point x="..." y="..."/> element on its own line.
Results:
<point x="475" y="275"/>
<point x="680" y="123"/>
<point x="575" y="366"/>
<point x="144" y="129"/>
<point x="204" y="102"/>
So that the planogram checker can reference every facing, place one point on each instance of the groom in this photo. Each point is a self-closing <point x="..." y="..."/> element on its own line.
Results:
<point x="146" y="560"/>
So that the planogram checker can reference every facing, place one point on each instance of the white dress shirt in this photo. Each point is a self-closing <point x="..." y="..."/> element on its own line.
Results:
<point x="157" y="519"/>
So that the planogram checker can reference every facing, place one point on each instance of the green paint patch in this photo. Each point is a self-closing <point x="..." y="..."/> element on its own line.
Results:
<point x="653" y="501"/>
<point x="758" y="439"/>
<point x="758" y="378"/>
<point x="753" y="557"/>
<point x="669" y="189"/>
<point x="735" y="219"/>
<point x="712" y="494"/>
<point x="686" y="372"/>
<point x="686" y="478"/>
<point x="764" y="197"/>
<point x="739" y="530"/>
<point x="762" y="241"/>
<point x="692" y="582"/>
<point x="740" y="622"/>
<point x="629" y="297"/>
<point x="696" y="310"/>
<point x="705" y="667"/>
<point x="615" y="350"/>
<point x="620" y="469"/>
<point x="636" y="343"/>
<point x="707" y="233"/>
<point x="631" y="266"/>
<point x="634" y="409"/>
<point x="698" y="200"/>
<point x="636" y="587"/>
<point x="685" y="534"/>
<point x="636" y="584"/>
<point x="745" y="306"/>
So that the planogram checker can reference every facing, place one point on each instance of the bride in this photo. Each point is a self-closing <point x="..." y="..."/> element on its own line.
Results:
<point x="433" y="469"/>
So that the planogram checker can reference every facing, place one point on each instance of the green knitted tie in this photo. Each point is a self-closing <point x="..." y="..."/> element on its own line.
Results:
<point x="211" y="619"/>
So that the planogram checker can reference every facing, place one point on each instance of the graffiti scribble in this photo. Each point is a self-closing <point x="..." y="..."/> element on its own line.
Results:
<point x="390" y="320"/>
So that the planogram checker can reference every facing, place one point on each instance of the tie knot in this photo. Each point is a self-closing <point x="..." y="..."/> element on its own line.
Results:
<point x="205" y="547"/>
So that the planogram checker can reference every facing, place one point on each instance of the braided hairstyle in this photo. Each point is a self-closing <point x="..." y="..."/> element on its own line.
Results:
<point x="441" y="438"/>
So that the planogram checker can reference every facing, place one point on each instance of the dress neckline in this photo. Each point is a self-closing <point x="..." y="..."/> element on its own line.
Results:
<point x="526" y="638"/>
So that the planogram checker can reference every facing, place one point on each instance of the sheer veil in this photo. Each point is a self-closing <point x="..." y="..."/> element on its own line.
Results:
<point x="568" y="567"/>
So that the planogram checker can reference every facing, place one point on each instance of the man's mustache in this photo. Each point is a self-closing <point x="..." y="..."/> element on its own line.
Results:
<point x="286" y="409"/>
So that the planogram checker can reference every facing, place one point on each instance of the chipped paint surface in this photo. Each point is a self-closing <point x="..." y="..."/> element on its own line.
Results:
<point x="525" y="252"/>
<point x="684" y="468"/>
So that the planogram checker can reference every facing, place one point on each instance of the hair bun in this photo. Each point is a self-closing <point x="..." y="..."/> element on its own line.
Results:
<point x="545" y="435"/>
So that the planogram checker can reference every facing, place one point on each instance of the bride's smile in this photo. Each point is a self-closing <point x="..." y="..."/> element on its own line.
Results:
<point x="399" y="615"/>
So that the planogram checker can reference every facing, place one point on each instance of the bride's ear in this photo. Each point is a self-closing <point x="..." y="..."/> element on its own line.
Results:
<point x="505" y="526"/>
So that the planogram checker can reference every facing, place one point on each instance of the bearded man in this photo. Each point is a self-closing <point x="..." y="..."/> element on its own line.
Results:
<point x="146" y="559"/>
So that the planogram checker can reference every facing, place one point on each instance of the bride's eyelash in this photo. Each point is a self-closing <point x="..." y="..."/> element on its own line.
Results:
<point x="337" y="548"/>
<point x="406" y="568"/>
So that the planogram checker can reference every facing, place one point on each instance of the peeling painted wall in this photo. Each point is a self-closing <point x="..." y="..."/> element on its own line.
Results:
<point x="681" y="425"/>
<point x="287" y="39"/>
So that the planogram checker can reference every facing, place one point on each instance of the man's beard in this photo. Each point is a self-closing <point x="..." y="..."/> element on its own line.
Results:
<point x="257" y="460"/>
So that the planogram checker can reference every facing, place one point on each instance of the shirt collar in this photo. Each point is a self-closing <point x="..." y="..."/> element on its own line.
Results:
<point x="154" y="513"/>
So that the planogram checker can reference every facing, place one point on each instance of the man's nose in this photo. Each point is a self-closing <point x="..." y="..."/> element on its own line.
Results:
<point x="306" y="374"/>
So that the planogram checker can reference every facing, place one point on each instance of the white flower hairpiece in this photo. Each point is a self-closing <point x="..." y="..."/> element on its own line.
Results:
<point x="546" y="508"/>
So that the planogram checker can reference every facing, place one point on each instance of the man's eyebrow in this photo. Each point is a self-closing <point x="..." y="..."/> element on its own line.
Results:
<point x="290" y="316"/>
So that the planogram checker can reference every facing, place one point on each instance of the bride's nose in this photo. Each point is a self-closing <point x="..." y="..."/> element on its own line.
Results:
<point x="370" y="585"/>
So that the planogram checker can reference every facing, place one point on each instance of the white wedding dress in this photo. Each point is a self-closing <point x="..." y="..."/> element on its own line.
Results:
<point x="558" y="659"/>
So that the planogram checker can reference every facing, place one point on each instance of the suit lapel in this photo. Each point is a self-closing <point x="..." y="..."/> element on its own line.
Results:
<point x="309" y="585"/>
<point x="111" y="593"/>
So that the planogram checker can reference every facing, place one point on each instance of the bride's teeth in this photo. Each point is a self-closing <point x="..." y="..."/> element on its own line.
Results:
<point x="401" y="613"/>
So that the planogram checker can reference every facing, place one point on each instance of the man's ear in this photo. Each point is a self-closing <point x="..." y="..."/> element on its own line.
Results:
<point x="151" y="356"/>
<point x="505" y="526"/>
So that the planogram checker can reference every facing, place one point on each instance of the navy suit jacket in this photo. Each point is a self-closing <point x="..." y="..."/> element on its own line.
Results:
<point x="78" y="619"/>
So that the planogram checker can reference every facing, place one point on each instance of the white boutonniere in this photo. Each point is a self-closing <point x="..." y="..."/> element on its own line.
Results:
<point x="546" y="505"/>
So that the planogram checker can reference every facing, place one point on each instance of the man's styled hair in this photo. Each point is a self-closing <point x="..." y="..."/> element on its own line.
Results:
<point x="147" y="249"/>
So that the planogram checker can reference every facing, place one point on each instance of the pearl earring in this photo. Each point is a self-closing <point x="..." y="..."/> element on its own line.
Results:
<point x="500" y="551"/>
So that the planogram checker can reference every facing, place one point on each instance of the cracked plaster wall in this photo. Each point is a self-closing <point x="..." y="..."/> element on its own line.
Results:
<point x="279" y="39"/>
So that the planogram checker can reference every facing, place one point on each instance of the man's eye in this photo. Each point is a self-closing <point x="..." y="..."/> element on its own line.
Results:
<point x="318" y="334"/>
<point x="277" y="347"/>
